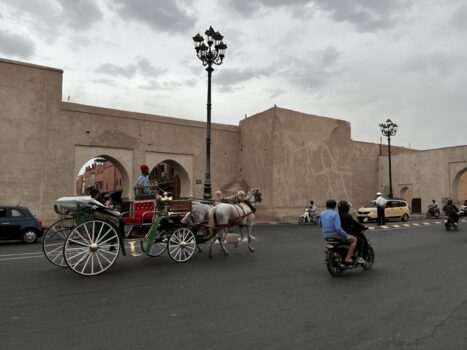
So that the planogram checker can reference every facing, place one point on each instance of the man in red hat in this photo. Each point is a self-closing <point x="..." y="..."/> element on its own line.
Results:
<point x="143" y="180"/>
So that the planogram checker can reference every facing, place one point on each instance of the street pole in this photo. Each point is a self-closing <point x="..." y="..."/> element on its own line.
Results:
<point x="390" y="170"/>
<point x="212" y="53"/>
<point x="389" y="129"/>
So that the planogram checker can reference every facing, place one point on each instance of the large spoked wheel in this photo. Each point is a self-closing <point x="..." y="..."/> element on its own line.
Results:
<point x="54" y="239"/>
<point x="370" y="258"/>
<point x="158" y="247"/>
<point x="333" y="265"/>
<point x="91" y="248"/>
<point x="181" y="245"/>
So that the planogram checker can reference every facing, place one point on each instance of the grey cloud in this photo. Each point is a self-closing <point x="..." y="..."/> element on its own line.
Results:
<point x="16" y="45"/>
<point x="163" y="15"/>
<point x="80" y="14"/>
<point x="313" y="71"/>
<point x="231" y="76"/>
<point x="459" y="18"/>
<point x="145" y="67"/>
<point x="104" y="81"/>
<point x="142" y="66"/>
<point x="365" y="15"/>
<point x="441" y="62"/>
<point x="128" y="71"/>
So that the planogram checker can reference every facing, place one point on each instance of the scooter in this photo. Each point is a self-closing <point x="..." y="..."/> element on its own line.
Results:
<point x="309" y="216"/>
<point x="336" y="252"/>
<point x="463" y="211"/>
<point x="432" y="212"/>
<point x="449" y="224"/>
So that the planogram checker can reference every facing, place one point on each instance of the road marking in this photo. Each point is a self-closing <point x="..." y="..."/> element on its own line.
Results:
<point x="438" y="222"/>
<point x="395" y="226"/>
<point x="406" y="225"/>
<point x="426" y="223"/>
<point x="384" y="226"/>
<point x="415" y="224"/>
<point x="21" y="257"/>
<point x="2" y="255"/>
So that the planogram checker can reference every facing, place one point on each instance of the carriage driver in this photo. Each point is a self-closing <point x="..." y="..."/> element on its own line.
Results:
<point x="143" y="180"/>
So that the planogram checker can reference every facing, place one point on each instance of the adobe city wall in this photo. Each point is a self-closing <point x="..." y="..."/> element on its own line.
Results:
<point x="291" y="157"/>
<point x="431" y="174"/>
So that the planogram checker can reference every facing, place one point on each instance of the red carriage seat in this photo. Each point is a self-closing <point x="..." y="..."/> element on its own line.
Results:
<point x="143" y="213"/>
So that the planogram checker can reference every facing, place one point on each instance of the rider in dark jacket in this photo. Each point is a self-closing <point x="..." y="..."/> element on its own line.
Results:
<point x="353" y="227"/>
<point x="451" y="210"/>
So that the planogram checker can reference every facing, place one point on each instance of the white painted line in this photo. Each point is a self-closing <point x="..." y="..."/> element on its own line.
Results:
<point x="395" y="226"/>
<point x="426" y="223"/>
<point x="371" y="228"/>
<point x="384" y="226"/>
<point x="415" y="224"/>
<point x="438" y="222"/>
<point x="406" y="225"/>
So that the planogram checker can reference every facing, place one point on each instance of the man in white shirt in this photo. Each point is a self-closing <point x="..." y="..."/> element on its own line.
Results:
<point x="380" y="205"/>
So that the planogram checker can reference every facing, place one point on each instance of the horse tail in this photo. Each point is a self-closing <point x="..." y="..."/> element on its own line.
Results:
<point x="212" y="219"/>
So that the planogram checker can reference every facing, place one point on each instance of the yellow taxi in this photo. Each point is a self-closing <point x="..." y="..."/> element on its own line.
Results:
<point x="395" y="209"/>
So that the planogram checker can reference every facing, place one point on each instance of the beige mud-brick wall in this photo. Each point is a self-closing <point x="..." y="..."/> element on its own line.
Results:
<point x="364" y="165"/>
<point x="294" y="157"/>
<point x="29" y="99"/>
<point x="431" y="174"/>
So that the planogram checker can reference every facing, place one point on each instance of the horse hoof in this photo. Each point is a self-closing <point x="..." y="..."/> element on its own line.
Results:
<point x="251" y="249"/>
<point x="226" y="253"/>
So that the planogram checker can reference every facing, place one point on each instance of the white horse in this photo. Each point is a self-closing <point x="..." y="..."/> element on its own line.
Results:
<point x="225" y="215"/>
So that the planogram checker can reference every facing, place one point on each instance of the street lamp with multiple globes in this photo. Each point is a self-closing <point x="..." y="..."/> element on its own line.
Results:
<point x="210" y="54"/>
<point x="389" y="129"/>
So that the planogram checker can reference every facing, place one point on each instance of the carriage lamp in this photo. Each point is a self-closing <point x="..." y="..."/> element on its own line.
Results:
<point x="389" y="129"/>
<point x="210" y="49"/>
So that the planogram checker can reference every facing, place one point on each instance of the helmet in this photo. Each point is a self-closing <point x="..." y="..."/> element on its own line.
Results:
<point x="379" y="194"/>
<point x="449" y="201"/>
<point x="312" y="202"/>
<point x="331" y="203"/>
<point x="343" y="206"/>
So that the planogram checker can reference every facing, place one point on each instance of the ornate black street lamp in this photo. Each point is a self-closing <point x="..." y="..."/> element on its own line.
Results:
<point x="210" y="54"/>
<point x="389" y="129"/>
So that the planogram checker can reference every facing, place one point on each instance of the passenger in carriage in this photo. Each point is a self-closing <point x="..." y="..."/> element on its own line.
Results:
<point x="143" y="181"/>
<point x="95" y="194"/>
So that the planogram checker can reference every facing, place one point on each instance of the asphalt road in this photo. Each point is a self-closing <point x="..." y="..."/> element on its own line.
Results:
<point x="280" y="297"/>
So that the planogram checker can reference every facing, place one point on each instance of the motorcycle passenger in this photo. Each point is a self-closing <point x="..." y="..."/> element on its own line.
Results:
<point x="331" y="227"/>
<point x="451" y="211"/>
<point x="354" y="228"/>
<point x="433" y="208"/>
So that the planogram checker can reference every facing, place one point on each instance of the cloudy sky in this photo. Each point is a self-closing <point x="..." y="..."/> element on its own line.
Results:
<point x="359" y="60"/>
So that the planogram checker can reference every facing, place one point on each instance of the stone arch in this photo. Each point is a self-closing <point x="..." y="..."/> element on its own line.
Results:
<point x="182" y="165"/>
<point x="459" y="186"/>
<point x="121" y="158"/>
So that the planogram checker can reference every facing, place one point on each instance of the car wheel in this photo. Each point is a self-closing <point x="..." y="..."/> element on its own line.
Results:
<point x="29" y="236"/>
<point x="405" y="217"/>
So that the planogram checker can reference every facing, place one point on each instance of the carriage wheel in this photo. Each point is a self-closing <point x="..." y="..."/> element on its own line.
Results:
<point x="91" y="248"/>
<point x="158" y="247"/>
<point x="181" y="245"/>
<point x="54" y="239"/>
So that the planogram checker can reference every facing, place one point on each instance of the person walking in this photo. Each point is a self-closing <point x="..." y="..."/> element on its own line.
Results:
<point x="380" y="206"/>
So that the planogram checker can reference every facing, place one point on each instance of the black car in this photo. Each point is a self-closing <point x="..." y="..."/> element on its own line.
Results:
<point x="19" y="223"/>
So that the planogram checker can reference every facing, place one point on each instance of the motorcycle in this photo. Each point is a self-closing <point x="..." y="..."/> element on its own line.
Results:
<point x="449" y="224"/>
<point x="309" y="216"/>
<point x="336" y="252"/>
<point x="463" y="211"/>
<point x="432" y="212"/>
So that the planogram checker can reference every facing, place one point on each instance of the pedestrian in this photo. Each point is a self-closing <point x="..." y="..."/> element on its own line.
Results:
<point x="380" y="206"/>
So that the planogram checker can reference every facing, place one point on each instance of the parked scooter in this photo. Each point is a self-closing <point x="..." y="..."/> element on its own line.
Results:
<point x="336" y="252"/>
<point x="309" y="216"/>
<point x="463" y="211"/>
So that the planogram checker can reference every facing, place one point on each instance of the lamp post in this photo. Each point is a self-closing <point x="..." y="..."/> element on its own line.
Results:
<point x="210" y="54"/>
<point x="389" y="129"/>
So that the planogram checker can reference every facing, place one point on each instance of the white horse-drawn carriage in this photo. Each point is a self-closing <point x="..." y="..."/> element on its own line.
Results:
<point x="89" y="237"/>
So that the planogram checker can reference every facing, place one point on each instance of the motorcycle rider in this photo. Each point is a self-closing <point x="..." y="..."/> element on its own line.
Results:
<point x="451" y="211"/>
<point x="433" y="208"/>
<point x="311" y="210"/>
<point x="331" y="227"/>
<point x="354" y="228"/>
